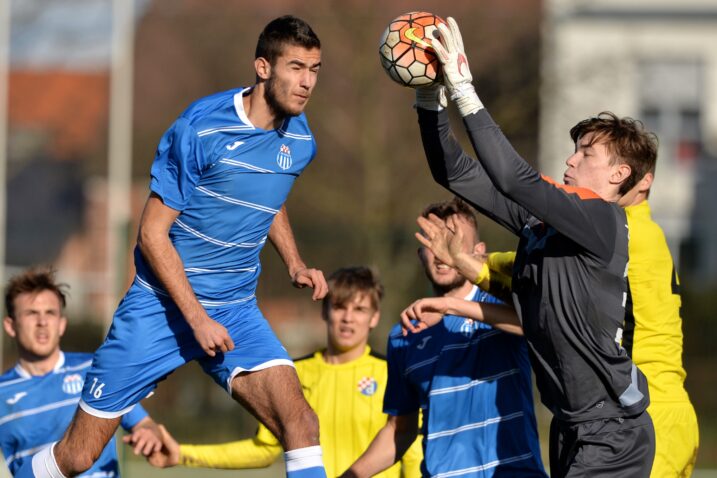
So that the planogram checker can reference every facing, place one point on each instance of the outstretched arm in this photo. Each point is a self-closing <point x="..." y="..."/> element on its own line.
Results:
<point x="282" y="237"/>
<point x="577" y="213"/>
<point x="429" y="311"/>
<point x="387" y="447"/>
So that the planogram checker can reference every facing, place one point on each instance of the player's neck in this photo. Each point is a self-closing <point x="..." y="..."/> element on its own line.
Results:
<point x="459" y="292"/>
<point x="334" y="356"/>
<point x="258" y="110"/>
<point x="38" y="365"/>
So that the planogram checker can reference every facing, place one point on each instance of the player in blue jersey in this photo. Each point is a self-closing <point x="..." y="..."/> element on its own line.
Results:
<point x="39" y="395"/>
<point x="471" y="381"/>
<point x="219" y="180"/>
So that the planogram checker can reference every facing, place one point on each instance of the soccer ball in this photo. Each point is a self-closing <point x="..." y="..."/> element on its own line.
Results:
<point x="406" y="52"/>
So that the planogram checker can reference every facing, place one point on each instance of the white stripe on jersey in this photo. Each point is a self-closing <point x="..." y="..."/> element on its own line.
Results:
<point x="492" y="464"/>
<point x="238" y="202"/>
<point x="473" y="426"/>
<point x="216" y="271"/>
<point x="473" y="383"/>
<point x="74" y="368"/>
<point x="35" y="411"/>
<point x="450" y="347"/>
<point x="24" y="453"/>
<point x="206" y="238"/>
<point x="13" y="381"/>
<point x="234" y="162"/>
<point x="207" y="132"/>
<point x="217" y="303"/>
<point x="301" y="137"/>
<point x="149" y="286"/>
<point x="420" y="364"/>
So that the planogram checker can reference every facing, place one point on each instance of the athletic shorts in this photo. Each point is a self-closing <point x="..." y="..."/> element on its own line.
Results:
<point x="677" y="439"/>
<point x="610" y="448"/>
<point x="149" y="339"/>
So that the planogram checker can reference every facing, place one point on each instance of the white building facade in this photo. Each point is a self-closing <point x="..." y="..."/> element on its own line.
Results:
<point x="654" y="60"/>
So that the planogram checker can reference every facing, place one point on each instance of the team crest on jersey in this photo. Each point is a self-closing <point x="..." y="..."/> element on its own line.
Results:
<point x="467" y="327"/>
<point x="72" y="384"/>
<point x="367" y="386"/>
<point x="283" y="159"/>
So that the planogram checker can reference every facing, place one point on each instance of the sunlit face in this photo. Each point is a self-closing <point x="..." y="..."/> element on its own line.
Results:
<point x="590" y="166"/>
<point x="443" y="277"/>
<point x="38" y="324"/>
<point x="349" y="324"/>
<point x="292" y="79"/>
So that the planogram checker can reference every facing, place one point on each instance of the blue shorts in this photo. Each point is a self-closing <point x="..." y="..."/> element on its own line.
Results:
<point x="149" y="339"/>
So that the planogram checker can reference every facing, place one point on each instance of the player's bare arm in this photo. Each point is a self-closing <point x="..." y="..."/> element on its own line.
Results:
<point x="387" y="448"/>
<point x="153" y="240"/>
<point x="145" y="437"/>
<point x="429" y="311"/>
<point x="282" y="237"/>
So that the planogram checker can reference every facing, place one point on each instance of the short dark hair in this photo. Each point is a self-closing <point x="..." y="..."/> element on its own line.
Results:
<point x="284" y="30"/>
<point x="626" y="140"/>
<point x="33" y="281"/>
<point x="346" y="282"/>
<point x="455" y="206"/>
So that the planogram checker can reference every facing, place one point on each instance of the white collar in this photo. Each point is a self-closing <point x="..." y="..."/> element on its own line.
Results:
<point x="25" y="374"/>
<point x="472" y="293"/>
<point x="239" y="107"/>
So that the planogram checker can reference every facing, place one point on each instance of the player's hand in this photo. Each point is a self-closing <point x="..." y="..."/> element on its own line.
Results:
<point x="456" y="72"/>
<point x="422" y="314"/>
<point x="145" y="438"/>
<point x="314" y="278"/>
<point x="432" y="98"/>
<point x="443" y="238"/>
<point x="212" y="336"/>
<point x="169" y="454"/>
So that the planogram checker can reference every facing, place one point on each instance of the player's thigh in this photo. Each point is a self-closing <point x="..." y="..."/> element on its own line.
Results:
<point x="256" y="347"/>
<point x="677" y="439"/>
<point x="148" y="340"/>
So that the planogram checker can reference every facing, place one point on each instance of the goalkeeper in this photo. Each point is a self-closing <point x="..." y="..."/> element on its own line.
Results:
<point x="569" y="287"/>
<point x="343" y="383"/>
<point x="653" y="327"/>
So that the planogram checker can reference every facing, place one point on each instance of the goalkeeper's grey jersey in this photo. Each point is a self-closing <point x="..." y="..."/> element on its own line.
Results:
<point x="569" y="276"/>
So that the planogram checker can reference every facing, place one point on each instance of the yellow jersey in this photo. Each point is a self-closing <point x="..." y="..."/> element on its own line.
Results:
<point x="347" y="398"/>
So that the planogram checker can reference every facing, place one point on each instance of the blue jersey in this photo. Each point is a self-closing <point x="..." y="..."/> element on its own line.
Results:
<point x="473" y="384"/>
<point x="36" y="410"/>
<point x="229" y="179"/>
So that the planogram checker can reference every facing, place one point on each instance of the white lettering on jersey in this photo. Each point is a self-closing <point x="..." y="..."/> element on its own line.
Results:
<point x="618" y="336"/>
<point x="16" y="398"/>
<point x="235" y="145"/>
<point x="423" y="343"/>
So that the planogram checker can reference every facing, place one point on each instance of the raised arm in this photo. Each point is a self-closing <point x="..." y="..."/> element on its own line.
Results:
<point x="387" y="447"/>
<point x="159" y="252"/>
<point x="577" y="213"/>
<point x="282" y="238"/>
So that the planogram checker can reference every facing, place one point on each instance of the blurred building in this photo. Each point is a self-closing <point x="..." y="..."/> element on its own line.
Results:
<point x="649" y="59"/>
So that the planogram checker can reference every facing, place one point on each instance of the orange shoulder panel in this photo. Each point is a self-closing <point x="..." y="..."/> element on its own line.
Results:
<point x="582" y="193"/>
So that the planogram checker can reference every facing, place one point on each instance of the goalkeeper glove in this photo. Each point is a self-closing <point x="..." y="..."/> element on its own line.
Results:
<point x="456" y="72"/>
<point x="432" y="97"/>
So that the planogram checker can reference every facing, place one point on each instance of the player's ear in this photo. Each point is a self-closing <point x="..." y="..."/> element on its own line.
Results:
<point x="63" y="325"/>
<point x="646" y="182"/>
<point x="262" y="67"/>
<point x="479" y="249"/>
<point x="620" y="174"/>
<point x="8" y="324"/>
<point x="375" y="318"/>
